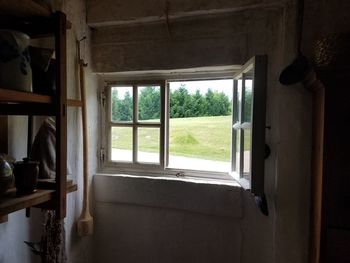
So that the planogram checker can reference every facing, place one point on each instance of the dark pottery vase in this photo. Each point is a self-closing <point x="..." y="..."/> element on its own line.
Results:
<point x="26" y="176"/>
<point x="6" y="176"/>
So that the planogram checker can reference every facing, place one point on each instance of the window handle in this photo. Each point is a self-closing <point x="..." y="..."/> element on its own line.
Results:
<point x="261" y="202"/>
<point x="180" y="174"/>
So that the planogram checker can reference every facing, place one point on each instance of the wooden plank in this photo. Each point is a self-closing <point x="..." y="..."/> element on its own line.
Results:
<point x="61" y="117"/>
<point x="10" y="202"/>
<point x="28" y="109"/>
<point x="51" y="205"/>
<point x="7" y="95"/>
<point x="24" y="8"/>
<point x="74" y="103"/>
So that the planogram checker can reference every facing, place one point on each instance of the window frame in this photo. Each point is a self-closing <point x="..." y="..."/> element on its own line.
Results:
<point x="256" y="125"/>
<point x="134" y="124"/>
<point x="162" y="79"/>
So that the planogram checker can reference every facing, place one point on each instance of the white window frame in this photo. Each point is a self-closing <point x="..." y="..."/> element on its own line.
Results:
<point x="161" y="169"/>
<point x="258" y="65"/>
<point x="134" y="124"/>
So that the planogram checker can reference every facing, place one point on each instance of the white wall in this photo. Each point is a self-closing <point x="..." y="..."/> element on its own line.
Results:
<point x="171" y="220"/>
<point x="18" y="228"/>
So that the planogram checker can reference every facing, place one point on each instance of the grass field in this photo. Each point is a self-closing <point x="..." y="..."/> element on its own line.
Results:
<point x="207" y="138"/>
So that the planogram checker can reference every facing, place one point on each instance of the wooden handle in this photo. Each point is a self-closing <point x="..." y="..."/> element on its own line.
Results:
<point x="85" y="222"/>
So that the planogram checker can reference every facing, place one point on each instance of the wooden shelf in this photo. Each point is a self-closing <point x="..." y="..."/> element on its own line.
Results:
<point x="11" y="203"/>
<point x="36" y="20"/>
<point x="7" y="95"/>
<point x="24" y="8"/>
<point x="74" y="103"/>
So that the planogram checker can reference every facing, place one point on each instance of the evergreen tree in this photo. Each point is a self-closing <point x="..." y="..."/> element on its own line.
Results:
<point x="149" y="104"/>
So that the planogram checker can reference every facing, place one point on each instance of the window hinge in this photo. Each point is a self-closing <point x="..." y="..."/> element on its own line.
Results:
<point x="103" y="98"/>
<point x="102" y="154"/>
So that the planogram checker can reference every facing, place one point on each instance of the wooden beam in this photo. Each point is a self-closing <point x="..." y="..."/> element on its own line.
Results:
<point x="61" y="115"/>
<point x="3" y="134"/>
<point x="74" y="103"/>
<point x="317" y="173"/>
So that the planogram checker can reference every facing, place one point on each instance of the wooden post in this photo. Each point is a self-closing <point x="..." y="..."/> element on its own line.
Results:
<point x="318" y="115"/>
<point x="3" y="147"/>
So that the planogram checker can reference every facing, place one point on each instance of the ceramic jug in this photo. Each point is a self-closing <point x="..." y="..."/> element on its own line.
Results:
<point x="6" y="176"/>
<point x="15" y="69"/>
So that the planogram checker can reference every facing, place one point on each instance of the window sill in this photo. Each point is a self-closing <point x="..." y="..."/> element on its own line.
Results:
<point x="204" y="196"/>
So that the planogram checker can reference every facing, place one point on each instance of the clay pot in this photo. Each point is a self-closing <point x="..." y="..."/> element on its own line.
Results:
<point x="6" y="176"/>
<point x="15" y="69"/>
<point x="26" y="176"/>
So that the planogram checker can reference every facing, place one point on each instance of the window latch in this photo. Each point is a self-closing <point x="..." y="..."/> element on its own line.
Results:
<point x="180" y="174"/>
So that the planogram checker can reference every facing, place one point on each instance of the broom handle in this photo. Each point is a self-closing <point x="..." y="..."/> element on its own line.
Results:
<point x="85" y="210"/>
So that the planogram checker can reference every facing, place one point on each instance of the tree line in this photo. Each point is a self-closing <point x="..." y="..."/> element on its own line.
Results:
<point x="182" y="104"/>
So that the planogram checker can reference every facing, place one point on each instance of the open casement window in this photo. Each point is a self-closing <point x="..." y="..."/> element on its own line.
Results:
<point x="248" y="125"/>
<point x="135" y="123"/>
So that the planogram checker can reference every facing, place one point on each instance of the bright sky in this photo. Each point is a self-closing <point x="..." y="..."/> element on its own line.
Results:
<point x="221" y="85"/>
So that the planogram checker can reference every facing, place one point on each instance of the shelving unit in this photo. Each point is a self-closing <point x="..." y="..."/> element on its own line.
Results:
<point x="36" y="20"/>
<point x="11" y="203"/>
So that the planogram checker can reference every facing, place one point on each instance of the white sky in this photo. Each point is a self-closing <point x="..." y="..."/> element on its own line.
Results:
<point x="221" y="85"/>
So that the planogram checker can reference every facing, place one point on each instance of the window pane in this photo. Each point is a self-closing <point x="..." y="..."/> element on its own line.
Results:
<point x="239" y="100"/>
<point x="149" y="103"/>
<point x="121" y="144"/>
<point x="200" y="125"/>
<point x="238" y="150"/>
<point x="149" y="145"/>
<point x="246" y="154"/>
<point x="122" y="104"/>
<point x="248" y="100"/>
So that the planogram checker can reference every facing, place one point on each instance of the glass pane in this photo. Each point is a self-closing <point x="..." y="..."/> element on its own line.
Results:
<point x="238" y="150"/>
<point x="149" y="145"/>
<point x="239" y="100"/>
<point x="248" y="100"/>
<point x="246" y="154"/>
<point x="121" y="104"/>
<point x="121" y="144"/>
<point x="149" y="103"/>
<point x="200" y="124"/>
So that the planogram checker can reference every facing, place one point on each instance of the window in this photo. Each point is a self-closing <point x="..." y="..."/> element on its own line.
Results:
<point x="199" y="124"/>
<point x="135" y="123"/>
<point x="248" y="125"/>
<point x="211" y="127"/>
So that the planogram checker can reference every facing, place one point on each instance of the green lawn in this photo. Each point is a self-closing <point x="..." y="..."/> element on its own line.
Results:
<point x="202" y="137"/>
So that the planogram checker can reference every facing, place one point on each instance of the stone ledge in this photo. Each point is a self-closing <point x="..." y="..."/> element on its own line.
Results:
<point x="189" y="195"/>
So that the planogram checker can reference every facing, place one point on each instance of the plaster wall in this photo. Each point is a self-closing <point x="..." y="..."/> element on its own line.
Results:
<point x="169" y="220"/>
<point x="19" y="228"/>
<point x="214" y="40"/>
<point x="199" y="41"/>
